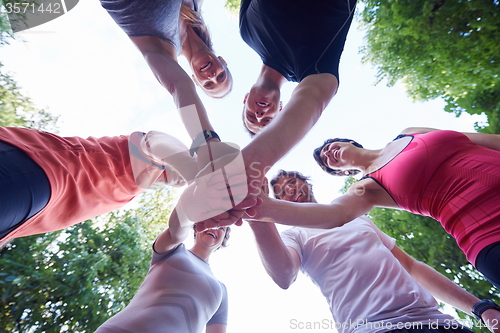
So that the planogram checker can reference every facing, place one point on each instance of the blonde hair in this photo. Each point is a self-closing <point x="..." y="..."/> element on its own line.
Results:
<point x="196" y="22"/>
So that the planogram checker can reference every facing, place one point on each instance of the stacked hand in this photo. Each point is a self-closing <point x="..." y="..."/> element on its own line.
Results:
<point x="219" y="196"/>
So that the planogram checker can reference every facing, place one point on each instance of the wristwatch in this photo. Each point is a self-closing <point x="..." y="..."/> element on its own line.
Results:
<point x="200" y="138"/>
<point x="480" y="307"/>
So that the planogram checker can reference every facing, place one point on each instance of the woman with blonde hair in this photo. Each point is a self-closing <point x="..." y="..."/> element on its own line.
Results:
<point x="164" y="29"/>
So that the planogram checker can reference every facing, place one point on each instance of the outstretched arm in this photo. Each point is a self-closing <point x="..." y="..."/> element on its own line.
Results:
<point x="444" y="289"/>
<point x="216" y="328"/>
<point x="300" y="114"/>
<point x="491" y="141"/>
<point x="314" y="215"/>
<point x="175" y="234"/>
<point x="162" y="60"/>
<point x="282" y="263"/>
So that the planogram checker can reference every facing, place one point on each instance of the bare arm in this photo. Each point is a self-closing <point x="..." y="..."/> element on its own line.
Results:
<point x="216" y="328"/>
<point x="442" y="288"/>
<point x="309" y="99"/>
<point x="314" y="215"/>
<point x="280" y="262"/>
<point x="491" y="141"/>
<point x="162" y="60"/>
<point x="175" y="234"/>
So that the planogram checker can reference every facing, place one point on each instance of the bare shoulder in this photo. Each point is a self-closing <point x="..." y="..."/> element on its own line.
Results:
<point x="372" y="193"/>
<point x="420" y="130"/>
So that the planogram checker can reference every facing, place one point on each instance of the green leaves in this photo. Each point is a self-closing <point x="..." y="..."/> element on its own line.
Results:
<point x="74" y="279"/>
<point x="446" y="49"/>
<point x="18" y="110"/>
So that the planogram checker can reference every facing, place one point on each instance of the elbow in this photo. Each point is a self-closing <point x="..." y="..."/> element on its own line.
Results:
<point x="180" y="85"/>
<point x="285" y="281"/>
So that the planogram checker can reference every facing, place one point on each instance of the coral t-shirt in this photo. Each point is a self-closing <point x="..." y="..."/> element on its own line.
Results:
<point x="88" y="177"/>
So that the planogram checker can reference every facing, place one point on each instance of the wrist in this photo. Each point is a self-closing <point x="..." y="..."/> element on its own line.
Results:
<point x="202" y="138"/>
<point x="481" y="307"/>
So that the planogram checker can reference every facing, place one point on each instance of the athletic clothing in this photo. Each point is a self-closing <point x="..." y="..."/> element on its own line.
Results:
<point x="25" y="188"/>
<point x="179" y="294"/>
<point x="88" y="177"/>
<point x="488" y="263"/>
<point x="297" y="38"/>
<point x="444" y="175"/>
<point x="368" y="290"/>
<point x="157" y="18"/>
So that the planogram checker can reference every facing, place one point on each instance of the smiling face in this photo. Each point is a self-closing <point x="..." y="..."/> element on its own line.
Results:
<point x="260" y="108"/>
<point x="291" y="188"/>
<point x="212" y="238"/>
<point x="335" y="155"/>
<point x="211" y="74"/>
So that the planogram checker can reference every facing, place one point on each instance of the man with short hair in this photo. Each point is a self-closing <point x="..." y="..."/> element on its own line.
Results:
<point x="298" y="41"/>
<point x="370" y="284"/>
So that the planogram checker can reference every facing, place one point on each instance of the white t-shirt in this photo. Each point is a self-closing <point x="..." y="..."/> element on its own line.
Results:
<point x="368" y="290"/>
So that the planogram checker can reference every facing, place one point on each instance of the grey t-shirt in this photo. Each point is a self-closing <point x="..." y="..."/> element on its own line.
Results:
<point x="178" y="295"/>
<point x="157" y="18"/>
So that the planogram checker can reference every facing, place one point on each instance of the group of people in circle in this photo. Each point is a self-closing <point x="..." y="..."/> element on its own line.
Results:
<point x="50" y="182"/>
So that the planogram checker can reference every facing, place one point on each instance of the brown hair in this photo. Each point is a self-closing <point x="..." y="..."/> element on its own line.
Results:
<point x="293" y="174"/>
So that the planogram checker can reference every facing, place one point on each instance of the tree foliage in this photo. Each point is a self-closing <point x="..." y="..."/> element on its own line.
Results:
<point x="17" y="109"/>
<point x="233" y="6"/>
<point x="75" y="279"/>
<point x="438" y="48"/>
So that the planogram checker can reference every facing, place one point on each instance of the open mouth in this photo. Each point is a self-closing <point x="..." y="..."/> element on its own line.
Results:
<point x="262" y="104"/>
<point x="211" y="234"/>
<point x="297" y="198"/>
<point x="206" y="66"/>
<point x="336" y="154"/>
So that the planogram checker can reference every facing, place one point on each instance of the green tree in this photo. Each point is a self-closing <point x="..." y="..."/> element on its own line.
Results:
<point x="233" y="6"/>
<point x="17" y="109"/>
<point x="437" y="48"/>
<point x="73" y="280"/>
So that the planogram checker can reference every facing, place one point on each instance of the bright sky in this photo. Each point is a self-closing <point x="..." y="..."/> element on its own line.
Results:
<point x="83" y="67"/>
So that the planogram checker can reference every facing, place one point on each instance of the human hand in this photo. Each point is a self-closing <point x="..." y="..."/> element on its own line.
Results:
<point x="491" y="318"/>
<point x="219" y="193"/>
<point x="213" y="150"/>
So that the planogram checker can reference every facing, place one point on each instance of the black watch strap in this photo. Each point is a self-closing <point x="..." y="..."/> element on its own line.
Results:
<point x="480" y="307"/>
<point x="200" y="139"/>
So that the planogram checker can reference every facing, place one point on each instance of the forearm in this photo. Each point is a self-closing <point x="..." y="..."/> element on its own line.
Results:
<point x="491" y="141"/>
<point x="443" y="288"/>
<point x="183" y="90"/>
<point x="275" y="256"/>
<point x="306" y="214"/>
<point x="299" y="115"/>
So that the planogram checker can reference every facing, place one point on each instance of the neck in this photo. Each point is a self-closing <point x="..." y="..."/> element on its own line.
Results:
<point x="270" y="78"/>
<point x="191" y="42"/>
<point x="369" y="160"/>
<point x="202" y="252"/>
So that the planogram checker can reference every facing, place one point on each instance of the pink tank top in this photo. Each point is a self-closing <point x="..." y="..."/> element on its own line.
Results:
<point x="444" y="175"/>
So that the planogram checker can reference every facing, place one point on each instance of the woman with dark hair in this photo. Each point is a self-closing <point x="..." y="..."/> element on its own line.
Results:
<point x="180" y="292"/>
<point x="452" y="177"/>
